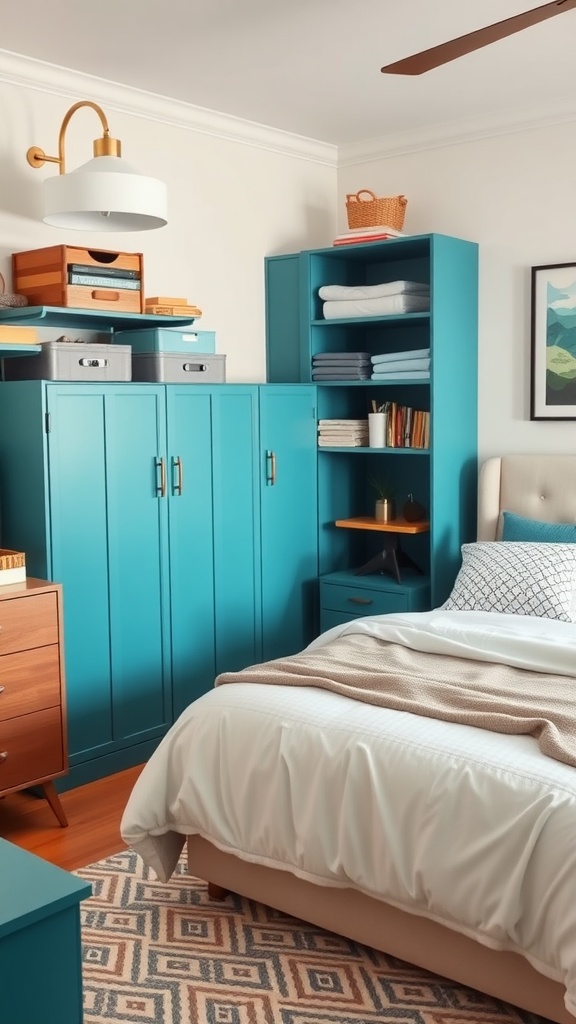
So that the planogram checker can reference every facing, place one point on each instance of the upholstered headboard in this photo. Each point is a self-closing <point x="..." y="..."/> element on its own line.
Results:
<point x="537" y="486"/>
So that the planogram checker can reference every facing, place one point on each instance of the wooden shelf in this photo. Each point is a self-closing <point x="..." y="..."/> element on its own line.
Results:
<point x="17" y="349"/>
<point x="394" y="526"/>
<point x="89" y="319"/>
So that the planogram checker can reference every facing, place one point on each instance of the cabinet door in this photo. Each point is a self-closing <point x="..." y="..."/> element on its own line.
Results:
<point x="236" y="526"/>
<point x="289" y="531"/>
<point x="107" y="550"/>
<point x="191" y="533"/>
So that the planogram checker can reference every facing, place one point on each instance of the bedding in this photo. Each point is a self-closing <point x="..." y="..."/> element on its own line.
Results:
<point x="463" y="825"/>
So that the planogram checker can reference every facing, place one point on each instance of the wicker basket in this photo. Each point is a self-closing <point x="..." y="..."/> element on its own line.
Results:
<point x="10" y="299"/>
<point x="365" y="213"/>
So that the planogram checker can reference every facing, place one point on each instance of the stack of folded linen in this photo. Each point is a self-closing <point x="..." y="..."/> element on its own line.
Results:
<point x="412" y="364"/>
<point x="341" y="366"/>
<point x="342" y="302"/>
<point x="343" y="433"/>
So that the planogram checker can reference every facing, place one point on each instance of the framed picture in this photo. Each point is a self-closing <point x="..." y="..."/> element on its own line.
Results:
<point x="553" y="383"/>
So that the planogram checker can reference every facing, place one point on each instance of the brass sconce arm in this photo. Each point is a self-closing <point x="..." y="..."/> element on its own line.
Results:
<point x="105" y="146"/>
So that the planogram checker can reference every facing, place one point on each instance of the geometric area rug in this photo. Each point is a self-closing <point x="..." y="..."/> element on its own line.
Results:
<point x="164" y="953"/>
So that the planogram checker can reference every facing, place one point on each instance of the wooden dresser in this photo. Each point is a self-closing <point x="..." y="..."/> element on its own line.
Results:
<point x="33" y="749"/>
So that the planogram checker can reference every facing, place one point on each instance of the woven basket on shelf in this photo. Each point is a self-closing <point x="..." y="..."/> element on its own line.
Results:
<point x="385" y="210"/>
<point x="10" y="299"/>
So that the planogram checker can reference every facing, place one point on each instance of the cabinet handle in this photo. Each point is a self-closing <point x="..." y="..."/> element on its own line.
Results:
<point x="271" y="468"/>
<point x="161" y="487"/>
<point x="360" y="600"/>
<point x="179" y="481"/>
<point x="3" y="755"/>
<point x="2" y="688"/>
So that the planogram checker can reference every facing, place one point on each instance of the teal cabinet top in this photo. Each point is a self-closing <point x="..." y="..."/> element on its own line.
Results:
<point x="32" y="889"/>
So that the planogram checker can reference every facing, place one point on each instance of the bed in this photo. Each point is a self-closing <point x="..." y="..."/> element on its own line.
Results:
<point x="445" y="844"/>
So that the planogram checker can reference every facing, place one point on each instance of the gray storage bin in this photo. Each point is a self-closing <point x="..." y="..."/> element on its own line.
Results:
<point x="72" y="360"/>
<point x="168" y="339"/>
<point x="176" y="368"/>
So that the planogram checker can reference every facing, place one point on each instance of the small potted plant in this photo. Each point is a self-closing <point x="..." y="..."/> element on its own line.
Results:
<point x="385" y="508"/>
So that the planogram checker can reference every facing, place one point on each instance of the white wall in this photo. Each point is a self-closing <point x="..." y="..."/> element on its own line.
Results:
<point x="515" y="195"/>
<point x="237" y="193"/>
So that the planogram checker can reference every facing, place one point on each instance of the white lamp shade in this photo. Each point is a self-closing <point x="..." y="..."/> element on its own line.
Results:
<point x="105" y="194"/>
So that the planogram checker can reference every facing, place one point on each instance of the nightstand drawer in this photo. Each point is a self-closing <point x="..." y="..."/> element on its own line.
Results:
<point x="31" y="749"/>
<point x="361" y="600"/>
<point x="29" y="681"/>
<point x="27" y="622"/>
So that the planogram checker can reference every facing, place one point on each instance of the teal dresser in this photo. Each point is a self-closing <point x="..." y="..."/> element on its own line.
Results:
<point x="40" y="943"/>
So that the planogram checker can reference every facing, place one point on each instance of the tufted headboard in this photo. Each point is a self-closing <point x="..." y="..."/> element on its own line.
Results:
<point x="537" y="486"/>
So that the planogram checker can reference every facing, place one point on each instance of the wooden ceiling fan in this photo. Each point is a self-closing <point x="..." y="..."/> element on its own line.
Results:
<point x="418" y="63"/>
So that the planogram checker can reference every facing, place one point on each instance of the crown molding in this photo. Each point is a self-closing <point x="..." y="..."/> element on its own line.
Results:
<point x="17" y="69"/>
<point x="455" y="133"/>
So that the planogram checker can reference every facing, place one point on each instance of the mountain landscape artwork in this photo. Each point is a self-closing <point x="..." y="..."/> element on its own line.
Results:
<point x="561" y="344"/>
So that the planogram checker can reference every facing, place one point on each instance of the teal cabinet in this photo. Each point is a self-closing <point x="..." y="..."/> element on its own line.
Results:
<point x="40" y="940"/>
<point x="441" y="477"/>
<point x="289" y="504"/>
<point x="178" y="556"/>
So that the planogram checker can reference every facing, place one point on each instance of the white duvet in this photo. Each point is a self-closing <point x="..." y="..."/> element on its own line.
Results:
<point x="473" y="829"/>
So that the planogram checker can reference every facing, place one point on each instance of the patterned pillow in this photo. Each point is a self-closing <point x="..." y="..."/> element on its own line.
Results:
<point x="517" y="578"/>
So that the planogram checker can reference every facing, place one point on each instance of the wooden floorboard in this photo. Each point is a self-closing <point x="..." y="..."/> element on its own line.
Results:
<point x="94" y="812"/>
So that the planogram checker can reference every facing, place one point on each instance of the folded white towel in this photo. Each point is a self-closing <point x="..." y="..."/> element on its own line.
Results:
<point x="372" y="291"/>
<point x="384" y="305"/>
<point x="392" y="357"/>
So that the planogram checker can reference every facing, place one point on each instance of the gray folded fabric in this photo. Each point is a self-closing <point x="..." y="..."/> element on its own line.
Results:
<point x="343" y="375"/>
<point x="341" y="357"/>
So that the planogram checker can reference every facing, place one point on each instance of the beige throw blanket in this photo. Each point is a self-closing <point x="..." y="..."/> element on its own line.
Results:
<point x="483" y="694"/>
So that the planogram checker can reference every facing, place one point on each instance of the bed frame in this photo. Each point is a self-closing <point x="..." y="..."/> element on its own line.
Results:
<point x="537" y="486"/>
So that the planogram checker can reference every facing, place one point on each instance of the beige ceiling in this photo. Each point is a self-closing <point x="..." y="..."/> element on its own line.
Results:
<point x="311" y="67"/>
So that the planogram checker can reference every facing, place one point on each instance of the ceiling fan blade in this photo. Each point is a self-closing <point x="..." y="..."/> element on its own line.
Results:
<point x="418" y="63"/>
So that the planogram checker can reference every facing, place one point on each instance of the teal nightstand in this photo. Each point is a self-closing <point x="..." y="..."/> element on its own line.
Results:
<point x="40" y="944"/>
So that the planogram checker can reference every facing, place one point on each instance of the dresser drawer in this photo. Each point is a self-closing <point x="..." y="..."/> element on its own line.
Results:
<point x="29" y="681"/>
<point x="31" y="749"/>
<point x="27" y="622"/>
<point x="356" y="601"/>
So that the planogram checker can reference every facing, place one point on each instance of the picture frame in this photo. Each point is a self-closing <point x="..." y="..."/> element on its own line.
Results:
<point x="553" y="342"/>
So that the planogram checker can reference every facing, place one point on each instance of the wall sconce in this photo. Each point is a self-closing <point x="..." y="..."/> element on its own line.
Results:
<point x="105" y="194"/>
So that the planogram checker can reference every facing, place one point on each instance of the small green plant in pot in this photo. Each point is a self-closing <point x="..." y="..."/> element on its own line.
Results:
<point x="385" y="508"/>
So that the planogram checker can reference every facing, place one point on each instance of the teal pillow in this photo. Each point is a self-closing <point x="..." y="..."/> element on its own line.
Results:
<point x="532" y="530"/>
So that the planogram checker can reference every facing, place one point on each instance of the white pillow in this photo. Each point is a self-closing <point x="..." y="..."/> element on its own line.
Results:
<point x="517" y="578"/>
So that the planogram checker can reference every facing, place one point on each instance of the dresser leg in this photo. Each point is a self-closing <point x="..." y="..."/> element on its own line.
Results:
<point x="53" y="799"/>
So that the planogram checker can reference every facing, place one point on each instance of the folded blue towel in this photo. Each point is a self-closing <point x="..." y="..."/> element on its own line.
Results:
<point x="390" y="357"/>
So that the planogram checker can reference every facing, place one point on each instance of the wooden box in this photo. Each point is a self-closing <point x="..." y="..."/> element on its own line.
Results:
<point x="66" y="275"/>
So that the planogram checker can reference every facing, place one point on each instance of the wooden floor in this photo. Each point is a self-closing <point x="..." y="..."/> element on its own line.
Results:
<point x="93" y="811"/>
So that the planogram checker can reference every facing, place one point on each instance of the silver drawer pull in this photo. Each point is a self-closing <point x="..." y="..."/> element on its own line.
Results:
<point x="3" y="755"/>
<point x="360" y="600"/>
<point x="195" y="367"/>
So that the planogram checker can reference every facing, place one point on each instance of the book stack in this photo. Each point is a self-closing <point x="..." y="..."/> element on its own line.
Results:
<point x="343" y="433"/>
<point x="376" y="233"/>
<point x="107" y="277"/>
<point x="337" y="366"/>
<point x="165" y="305"/>
<point x="406" y="427"/>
